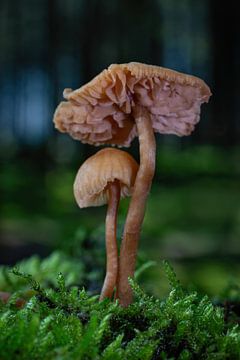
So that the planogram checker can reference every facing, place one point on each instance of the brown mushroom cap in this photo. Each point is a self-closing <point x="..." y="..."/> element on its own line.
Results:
<point x="107" y="165"/>
<point x="100" y="112"/>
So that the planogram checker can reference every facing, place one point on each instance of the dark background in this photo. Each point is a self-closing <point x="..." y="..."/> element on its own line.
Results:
<point x="193" y="214"/>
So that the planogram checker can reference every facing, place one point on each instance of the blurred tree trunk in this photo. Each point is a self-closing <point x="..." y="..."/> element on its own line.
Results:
<point x="52" y="47"/>
<point x="226" y="64"/>
<point x="140" y="35"/>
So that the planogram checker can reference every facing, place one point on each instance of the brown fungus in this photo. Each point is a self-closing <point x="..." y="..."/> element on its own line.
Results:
<point x="104" y="178"/>
<point x="5" y="297"/>
<point x="122" y="102"/>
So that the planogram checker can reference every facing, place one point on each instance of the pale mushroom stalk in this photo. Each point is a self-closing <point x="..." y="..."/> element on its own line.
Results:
<point x="136" y="211"/>
<point x="114" y="192"/>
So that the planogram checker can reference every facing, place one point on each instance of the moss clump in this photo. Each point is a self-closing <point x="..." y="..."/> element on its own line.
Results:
<point x="44" y="272"/>
<point x="63" y="322"/>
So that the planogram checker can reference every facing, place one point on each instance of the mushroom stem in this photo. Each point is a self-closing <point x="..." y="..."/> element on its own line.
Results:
<point x="136" y="211"/>
<point x="111" y="240"/>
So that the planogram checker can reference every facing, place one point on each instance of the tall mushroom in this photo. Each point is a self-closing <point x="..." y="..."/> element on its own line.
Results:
<point x="124" y="101"/>
<point x="104" y="178"/>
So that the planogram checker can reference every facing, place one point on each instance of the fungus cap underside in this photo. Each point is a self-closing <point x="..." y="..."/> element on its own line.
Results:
<point x="107" y="165"/>
<point x="100" y="112"/>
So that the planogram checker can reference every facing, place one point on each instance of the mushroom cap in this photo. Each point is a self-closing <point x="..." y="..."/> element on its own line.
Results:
<point x="107" y="165"/>
<point x="100" y="112"/>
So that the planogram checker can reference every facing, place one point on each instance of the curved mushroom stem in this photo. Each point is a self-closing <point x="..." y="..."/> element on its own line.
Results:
<point x="111" y="240"/>
<point x="136" y="211"/>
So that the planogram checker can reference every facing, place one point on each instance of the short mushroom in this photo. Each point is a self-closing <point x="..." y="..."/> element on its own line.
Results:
<point x="104" y="178"/>
<point x="124" y="101"/>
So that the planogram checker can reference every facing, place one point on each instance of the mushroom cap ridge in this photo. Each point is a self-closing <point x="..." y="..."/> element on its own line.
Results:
<point x="107" y="165"/>
<point x="100" y="112"/>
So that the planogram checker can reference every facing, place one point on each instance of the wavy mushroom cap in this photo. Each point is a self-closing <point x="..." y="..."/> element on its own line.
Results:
<point x="100" y="112"/>
<point x="107" y="165"/>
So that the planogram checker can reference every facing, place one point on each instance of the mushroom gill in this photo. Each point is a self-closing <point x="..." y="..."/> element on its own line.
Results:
<point x="101" y="111"/>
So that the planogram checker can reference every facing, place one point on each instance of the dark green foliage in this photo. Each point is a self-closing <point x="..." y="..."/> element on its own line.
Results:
<point x="63" y="322"/>
<point x="43" y="271"/>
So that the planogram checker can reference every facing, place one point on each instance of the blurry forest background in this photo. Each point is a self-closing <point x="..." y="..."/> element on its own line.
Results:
<point x="193" y="213"/>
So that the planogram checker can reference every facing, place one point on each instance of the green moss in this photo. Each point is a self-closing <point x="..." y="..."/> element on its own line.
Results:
<point x="63" y="322"/>
<point x="44" y="272"/>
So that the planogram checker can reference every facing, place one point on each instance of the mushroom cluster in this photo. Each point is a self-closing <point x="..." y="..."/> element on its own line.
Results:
<point x="122" y="102"/>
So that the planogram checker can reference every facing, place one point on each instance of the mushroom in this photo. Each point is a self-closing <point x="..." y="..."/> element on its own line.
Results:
<point x="122" y="102"/>
<point x="104" y="178"/>
<point x="5" y="296"/>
